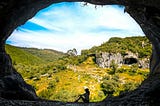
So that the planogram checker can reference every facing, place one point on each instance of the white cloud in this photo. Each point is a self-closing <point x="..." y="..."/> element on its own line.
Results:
<point x="87" y="17"/>
<point x="57" y="42"/>
<point x="77" y="27"/>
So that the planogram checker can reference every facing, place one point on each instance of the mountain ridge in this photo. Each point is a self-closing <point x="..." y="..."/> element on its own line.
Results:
<point x="32" y="55"/>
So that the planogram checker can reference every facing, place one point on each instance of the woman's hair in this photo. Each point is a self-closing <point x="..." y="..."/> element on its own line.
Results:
<point x="87" y="90"/>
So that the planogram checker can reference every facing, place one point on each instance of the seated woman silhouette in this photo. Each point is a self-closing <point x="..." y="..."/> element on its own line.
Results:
<point x="85" y="96"/>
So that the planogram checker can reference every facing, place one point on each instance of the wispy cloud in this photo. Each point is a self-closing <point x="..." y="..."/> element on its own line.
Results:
<point x="70" y="25"/>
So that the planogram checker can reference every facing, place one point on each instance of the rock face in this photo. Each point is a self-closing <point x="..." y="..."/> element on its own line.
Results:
<point x="105" y="59"/>
<point x="14" y="87"/>
<point x="144" y="63"/>
<point x="72" y="52"/>
<point x="146" y="13"/>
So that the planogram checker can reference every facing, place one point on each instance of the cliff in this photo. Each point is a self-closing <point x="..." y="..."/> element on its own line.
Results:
<point x="105" y="60"/>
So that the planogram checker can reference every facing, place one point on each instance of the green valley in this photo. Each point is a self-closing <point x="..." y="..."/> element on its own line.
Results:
<point x="58" y="76"/>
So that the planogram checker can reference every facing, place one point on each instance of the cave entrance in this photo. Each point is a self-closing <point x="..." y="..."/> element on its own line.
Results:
<point x="130" y="61"/>
<point x="50" y="85"/>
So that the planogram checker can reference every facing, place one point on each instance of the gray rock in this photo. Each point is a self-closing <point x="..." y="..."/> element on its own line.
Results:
<point x="105" y="59"/>
<point x="72" y="52"/>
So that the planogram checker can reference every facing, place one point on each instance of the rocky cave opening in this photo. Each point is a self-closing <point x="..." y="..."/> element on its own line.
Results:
<point x="130" y="61"/>
<point x="15" y="13"/>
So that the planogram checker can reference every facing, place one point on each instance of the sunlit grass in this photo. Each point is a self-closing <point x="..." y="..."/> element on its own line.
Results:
<point x="66" y="85"/>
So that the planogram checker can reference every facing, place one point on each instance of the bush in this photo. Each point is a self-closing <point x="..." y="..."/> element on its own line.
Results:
<point x="130" y="86"/>
<point x="51" y="85"/>
<point x="45" y="94"/>
<point x="114" y="67"/>
<point x="109" y="87"/>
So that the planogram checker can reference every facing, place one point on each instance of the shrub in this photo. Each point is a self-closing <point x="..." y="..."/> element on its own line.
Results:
<point x="114" y="67"/>
<point x="109" y="87"/>
<point x="45" y="94"/>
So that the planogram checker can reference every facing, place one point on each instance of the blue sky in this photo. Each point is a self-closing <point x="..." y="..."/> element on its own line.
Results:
<point x="64" y="26"/>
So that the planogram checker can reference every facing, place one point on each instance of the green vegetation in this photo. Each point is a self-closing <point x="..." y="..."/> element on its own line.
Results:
<point x="47" y="55"/>
<point x="32" y="55"/>
<point x="57" y="76"/>
<point x="140" y="45"/>
<point x="20" y="56"/>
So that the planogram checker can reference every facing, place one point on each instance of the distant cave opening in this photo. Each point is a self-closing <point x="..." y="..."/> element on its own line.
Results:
<point x="130" y="61"/>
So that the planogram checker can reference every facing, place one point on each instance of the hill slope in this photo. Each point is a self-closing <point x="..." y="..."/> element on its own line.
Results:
<point x="47" y="55"/>
<point x="64" y="79"/>
<point x="32" y="55"/>
<point x="140" y="45"/>
<point x="20" y="56"/>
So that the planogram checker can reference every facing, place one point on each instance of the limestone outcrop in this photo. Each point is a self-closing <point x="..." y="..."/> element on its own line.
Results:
<point x="72" y="52"/>
<point x="105" y="60"/>
<point x="146" y="13"/>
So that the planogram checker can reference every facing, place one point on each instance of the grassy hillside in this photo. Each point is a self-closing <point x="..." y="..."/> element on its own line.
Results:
<point x="20" y="56"/>
<point x="67" y="84"/>
<point x="65" y="78"/>
<point x="47" y="55"/>
<point x="140" y="45"/>
<point x="32" y="55"/>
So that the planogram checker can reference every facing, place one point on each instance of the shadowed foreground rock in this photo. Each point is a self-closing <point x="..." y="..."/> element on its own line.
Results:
<point x="14" y="13"/>
<point x="14" y="87"/>
<point x="44" y="103"/>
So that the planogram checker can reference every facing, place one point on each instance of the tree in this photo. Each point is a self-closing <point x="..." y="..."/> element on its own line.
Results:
<point x="113" y="67"/>
<point x="109" y="87"/>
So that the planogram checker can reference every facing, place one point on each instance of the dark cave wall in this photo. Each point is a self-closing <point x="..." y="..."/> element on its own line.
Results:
<point x="14" y="13"/>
